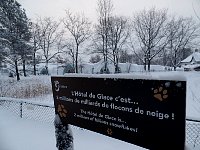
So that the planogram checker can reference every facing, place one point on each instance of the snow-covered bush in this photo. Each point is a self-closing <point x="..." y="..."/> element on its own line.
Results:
<point x="64" y="137"/>
<point x="44" y="71"/>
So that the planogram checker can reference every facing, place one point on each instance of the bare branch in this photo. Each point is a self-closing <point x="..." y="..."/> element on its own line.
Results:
<point x="79" y="28"/>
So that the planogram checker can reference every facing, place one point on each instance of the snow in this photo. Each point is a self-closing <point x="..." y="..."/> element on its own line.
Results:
<point x="24" y="134"/>
<point x="20" y="134"/>
<point x="191" y="66"/>
<point x="146" y="76"/>
<point x="53" y="68"/>
<point x="193" y="95"/>
<point x="88" y="68"/>
<point x="195" y="55"/>
<point x="25" y="88"/>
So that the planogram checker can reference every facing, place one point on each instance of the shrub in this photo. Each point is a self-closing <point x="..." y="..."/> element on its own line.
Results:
<point x="28" y="87"/>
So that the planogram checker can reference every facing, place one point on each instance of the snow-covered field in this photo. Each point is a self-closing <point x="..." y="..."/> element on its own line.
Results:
<point x="22" y="134"/>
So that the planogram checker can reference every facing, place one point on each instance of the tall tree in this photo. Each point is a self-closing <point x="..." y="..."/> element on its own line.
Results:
<point x="71" y="51"/>
<point x="15" y="22"/>
<point x="49" y="36"/>
<point x="149" y="27"/>
<point x="118" y="35"/>
<point x="25" y="54"/>
<point x="182" y="33"/>
<point x="79" y="28"/>
<point x="36" y="42"/>
<point x="4" y="43"/>
<point x="101" y="39"/>
<point x="24" y="45"/>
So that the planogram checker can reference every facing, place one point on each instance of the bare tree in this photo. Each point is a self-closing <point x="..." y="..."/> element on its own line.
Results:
<point x="49" y="36"/>
<point x="182" y="33"/>
<point x="71" y="51"/>
<point x="149" y="27"/>
<point x="36" y="41"/>
<point x="79" y="28"/>
<point x="101" y="39"/>
<point x="118" y="35"/>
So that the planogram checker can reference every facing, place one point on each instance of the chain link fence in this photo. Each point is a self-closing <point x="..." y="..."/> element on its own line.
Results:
<point x="26" y="110"/>
<point x="45" y="113"/>
<point x="193" y="132"/>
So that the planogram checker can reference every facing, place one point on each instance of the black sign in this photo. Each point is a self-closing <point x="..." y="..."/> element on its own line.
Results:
<point x="148" y="113"/>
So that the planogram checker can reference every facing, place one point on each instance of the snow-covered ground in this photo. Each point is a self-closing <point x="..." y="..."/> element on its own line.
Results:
<point x="22" y="134"/>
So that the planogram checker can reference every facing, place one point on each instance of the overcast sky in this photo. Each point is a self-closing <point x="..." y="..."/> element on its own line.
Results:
<point x="55" y="8"/>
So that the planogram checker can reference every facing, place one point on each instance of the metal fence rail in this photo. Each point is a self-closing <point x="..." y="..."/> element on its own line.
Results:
<point x="45" y="113"/>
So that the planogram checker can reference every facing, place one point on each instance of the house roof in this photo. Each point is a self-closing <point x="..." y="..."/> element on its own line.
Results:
<point x="195" y="56"/>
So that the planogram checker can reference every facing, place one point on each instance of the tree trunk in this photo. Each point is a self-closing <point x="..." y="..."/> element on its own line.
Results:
<point x="149" y="65"/>
<point x="145" y="64"/>
<point x="148" y="60"/>
<point x="76" y="60"/>
<point x="105" y="59"/>
<point x="24" y="67"/>
<point x="46" y="67"/>
<point x="175" y="60"/>
<point x="34" y="64"/>
<point x="73" y="63"/>
<point x="17" y="71"/>
<point x="105" y="62"/>
<point x="117" y="70"/>
<point x="164" y="59"/>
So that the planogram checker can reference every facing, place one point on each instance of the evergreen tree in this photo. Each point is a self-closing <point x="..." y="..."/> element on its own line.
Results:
<point x="16" y="31"/>
<point x="3" y="41"/>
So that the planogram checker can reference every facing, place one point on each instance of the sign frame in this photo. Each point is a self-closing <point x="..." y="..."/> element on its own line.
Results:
<point x="147" y="113"/>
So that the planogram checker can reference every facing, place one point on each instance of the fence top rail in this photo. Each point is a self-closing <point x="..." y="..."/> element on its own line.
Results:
<point x="16" y="100"/>
<point x="193" y="120"/>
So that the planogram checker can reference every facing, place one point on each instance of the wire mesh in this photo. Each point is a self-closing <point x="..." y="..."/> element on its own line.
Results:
<point x="193" y="133"/>
<point x="38" y="112"/>
<point x="46" y="114"/>
<point x="29" y="111"/>
<point x="13" y="107"/>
